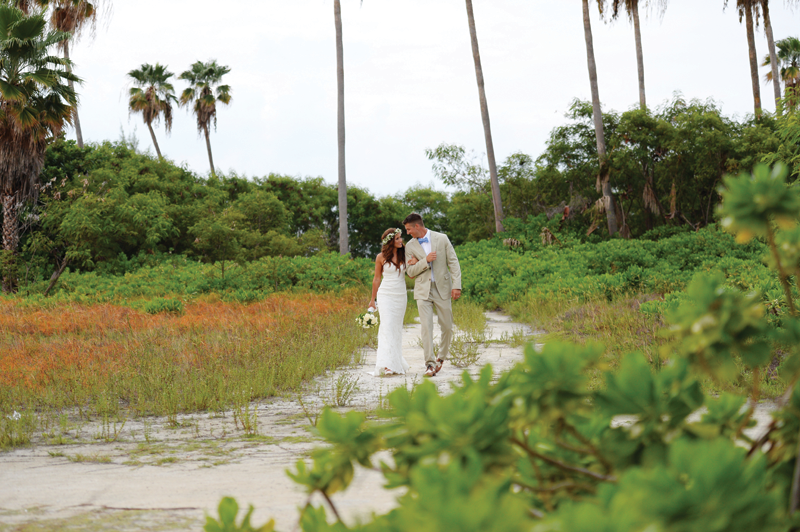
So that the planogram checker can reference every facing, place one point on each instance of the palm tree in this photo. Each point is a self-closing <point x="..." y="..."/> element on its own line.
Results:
<point x="788" y="60"/>
<point x="152" y="96"/>
<point x="776" y="82"/>
<point x="36" y="101"/>
<point x="69" y="16"/>
<point x="487" y="129"/>
<point x="631" y="7"/>
<point x="603" y="179"/>
<point x="72" y="16"/>
<point x="203" y="94"/>
<point x="344" y="244"/>
<point x="749" y="10"/>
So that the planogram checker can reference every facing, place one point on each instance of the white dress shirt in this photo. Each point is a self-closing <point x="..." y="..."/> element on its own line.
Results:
<point x="426" y="246"/>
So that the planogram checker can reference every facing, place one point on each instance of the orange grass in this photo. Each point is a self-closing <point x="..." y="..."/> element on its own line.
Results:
<point x="71" y="354"/>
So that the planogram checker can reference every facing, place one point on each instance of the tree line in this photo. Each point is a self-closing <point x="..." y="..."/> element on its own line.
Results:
<point x="112" y="209"/>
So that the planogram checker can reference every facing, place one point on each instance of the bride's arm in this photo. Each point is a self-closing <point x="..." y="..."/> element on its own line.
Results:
<point x="376" y="280"/>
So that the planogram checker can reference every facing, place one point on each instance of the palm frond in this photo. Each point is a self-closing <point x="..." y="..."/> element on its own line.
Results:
<point x="28" y="27"/>
<point x="11" y="92"/>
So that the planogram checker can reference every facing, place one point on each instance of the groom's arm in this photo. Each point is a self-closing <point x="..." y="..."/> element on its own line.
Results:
<point x="421" y="266"/>
<point x="453" y="264"/>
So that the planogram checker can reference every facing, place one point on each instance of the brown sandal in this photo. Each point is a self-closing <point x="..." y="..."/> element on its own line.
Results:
<point x="430" y="372"/>
<point x="439" y="365"/>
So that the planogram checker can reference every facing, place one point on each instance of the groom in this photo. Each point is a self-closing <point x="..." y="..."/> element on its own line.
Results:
<point x="437" y="280"/>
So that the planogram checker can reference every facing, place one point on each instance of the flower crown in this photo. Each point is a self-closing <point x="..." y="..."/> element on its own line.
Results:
<point x="389" y="237"/>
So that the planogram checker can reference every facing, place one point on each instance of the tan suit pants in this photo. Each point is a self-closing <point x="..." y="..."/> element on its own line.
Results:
<point x="444" y="311"/>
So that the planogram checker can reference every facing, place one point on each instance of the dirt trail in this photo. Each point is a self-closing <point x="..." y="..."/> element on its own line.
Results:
<point x="152" y="475"/>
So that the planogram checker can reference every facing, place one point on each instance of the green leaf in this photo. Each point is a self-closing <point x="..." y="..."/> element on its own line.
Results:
<point x="228" y="508"/>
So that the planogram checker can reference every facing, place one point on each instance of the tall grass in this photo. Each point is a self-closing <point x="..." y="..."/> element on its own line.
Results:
<point x="618" y="324"/>
<point x="622" y="328"/>
<point x="471" y="333"/>
<point x="103" y="358"/>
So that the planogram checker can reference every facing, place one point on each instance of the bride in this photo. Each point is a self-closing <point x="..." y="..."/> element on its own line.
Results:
<point x="389" y="286"/>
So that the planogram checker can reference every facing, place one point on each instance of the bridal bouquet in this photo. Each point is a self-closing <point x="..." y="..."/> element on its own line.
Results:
<point x="367" y="320"/>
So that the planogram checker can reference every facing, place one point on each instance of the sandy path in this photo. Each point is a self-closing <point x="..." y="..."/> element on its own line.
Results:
<point x="154" y="476"/>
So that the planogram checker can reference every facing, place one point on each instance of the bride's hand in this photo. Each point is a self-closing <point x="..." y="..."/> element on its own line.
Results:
<point x="412" y="261"/>
<point x="372" y="305"/>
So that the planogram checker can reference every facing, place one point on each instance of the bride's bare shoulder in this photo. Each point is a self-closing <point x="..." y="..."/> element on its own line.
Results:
<point x="379" y="259"/>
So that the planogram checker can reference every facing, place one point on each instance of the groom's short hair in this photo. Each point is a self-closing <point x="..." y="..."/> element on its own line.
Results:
<point x="413" y="218"/>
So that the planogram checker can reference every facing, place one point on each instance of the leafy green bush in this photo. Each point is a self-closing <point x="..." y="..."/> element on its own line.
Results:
<point x="159" y="304"/>
<point x="178" y="277"/>
<point x="228" y="512"/>
<point x="495" y="275"/>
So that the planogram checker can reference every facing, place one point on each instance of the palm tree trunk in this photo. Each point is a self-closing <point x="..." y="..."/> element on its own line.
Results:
<point x="344" y="244"/>
<point x="497" y="201"/>
<point x="10" y="223"/>
<point x="773" y="57"/>
<point x="155" y="142"/>
<point x="751" y="44"/>
<point x="208" y="147"/>
<point x="604" y="179"/>
<point x="639" y="55"/>
<point x="10" y="239"/>
<point x="78" y="132"/>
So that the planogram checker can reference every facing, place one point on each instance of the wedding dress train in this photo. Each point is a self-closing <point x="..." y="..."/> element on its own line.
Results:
<point x="392" y="301"/>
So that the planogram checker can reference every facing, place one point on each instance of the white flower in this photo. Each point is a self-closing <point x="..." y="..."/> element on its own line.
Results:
<point x="367" y="320"/>
<point x="15" y="416"/>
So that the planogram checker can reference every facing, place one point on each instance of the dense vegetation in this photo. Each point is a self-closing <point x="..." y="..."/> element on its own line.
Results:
<point x="110" y="209"/>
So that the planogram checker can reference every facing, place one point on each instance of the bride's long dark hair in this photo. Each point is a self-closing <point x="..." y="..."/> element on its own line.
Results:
<point x="388" y="250"/>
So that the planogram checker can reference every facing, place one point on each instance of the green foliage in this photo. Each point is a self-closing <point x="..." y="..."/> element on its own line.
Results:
<point x="752" y="204"/>
<point x="106" y="207"/>
<point x="497" y="276"/>
<point x="228" y="512"/>
<point x="788" y="149"/>
<point x="702" y="486"/>
<point x="16" y="428"/>
<point x="158" y="305"/>
<point x="538" y="445"/>
<point x="665" y="164"/>
<point x="181" y="278"/>
<point x="719" y="325"/>
<point x="433" y="205"/>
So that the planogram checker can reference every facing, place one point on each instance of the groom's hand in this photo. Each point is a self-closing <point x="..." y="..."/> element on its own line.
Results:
<point x="455" y="294"/>
<point x="431" y="256"/>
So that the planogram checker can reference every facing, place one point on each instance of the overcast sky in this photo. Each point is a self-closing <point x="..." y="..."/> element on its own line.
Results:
<point x="409" y="76"/>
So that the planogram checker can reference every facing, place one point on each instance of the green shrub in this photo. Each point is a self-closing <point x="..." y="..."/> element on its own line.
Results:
<point x="495" y="276"/>
<point x="159" y="305"/>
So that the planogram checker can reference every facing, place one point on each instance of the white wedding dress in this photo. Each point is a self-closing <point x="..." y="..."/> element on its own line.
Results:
<point x="392" y="301"/>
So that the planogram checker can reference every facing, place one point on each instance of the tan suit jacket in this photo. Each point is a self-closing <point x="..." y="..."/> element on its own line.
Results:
<point x="446" y="269"/>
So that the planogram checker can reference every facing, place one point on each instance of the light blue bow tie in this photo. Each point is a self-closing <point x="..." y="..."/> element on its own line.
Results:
<point x="423" y="240"/>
